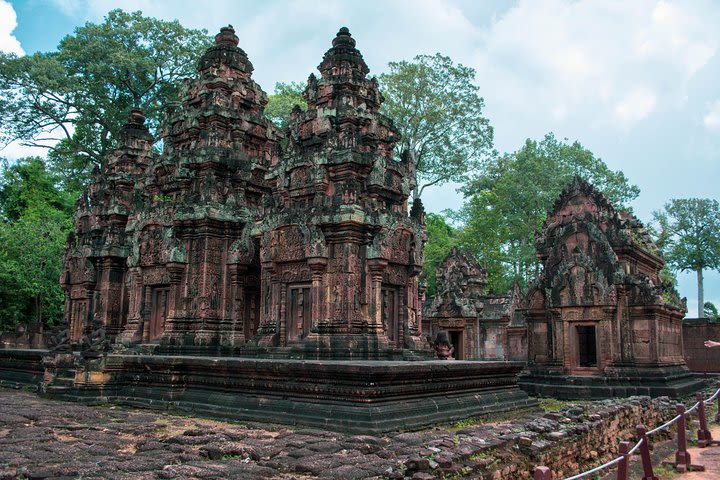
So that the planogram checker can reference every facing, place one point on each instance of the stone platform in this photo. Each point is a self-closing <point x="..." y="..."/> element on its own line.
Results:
<point x="672" y="381"/>
<point x="349" y="396"/>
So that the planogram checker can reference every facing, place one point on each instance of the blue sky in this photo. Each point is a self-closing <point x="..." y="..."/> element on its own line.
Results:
<point x="635" y="82"/>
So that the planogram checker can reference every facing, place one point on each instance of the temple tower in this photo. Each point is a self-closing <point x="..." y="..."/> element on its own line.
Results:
<point x="194" y="268"/>
<point x="95" y="259"/>
<point x="600" y="320"/>
<point x="340" y="255"/>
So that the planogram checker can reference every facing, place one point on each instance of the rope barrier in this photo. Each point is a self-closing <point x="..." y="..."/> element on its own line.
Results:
<point x="682" y="457"/>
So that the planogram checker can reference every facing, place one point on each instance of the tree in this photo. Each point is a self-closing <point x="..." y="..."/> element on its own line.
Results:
<point x="689" y="237"/>
<point x="710" y="311"/>
<point x="35" y="221"/>
<point x="439" y="113"/>
<point x="508" y="202"/>
<point x="74" y="101"/>
<point x="281" y="103"/>
<point x="441" y="238"/>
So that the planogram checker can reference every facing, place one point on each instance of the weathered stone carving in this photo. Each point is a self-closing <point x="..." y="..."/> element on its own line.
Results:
<point x="342" y="217"/>
<point x="598" y="309"/>
<point x="223" y="237"/>
<point x="476" y="322"/>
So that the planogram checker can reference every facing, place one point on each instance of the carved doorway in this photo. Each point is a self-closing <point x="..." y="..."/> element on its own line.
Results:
<point x="251" y="316"/>
<point x="299" y="318"/>
<point x="456" y="338"/>
<point x="587" y="346"/>
<point x="390" y="313"/>
<point x="158" y="312"/>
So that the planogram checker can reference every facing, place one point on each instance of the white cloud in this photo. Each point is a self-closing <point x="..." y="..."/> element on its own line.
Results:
<point x="600" y="63"/>
<point x="711" y="120"/>
<point x="8" y="22"/>
<point x="636" y="105"/>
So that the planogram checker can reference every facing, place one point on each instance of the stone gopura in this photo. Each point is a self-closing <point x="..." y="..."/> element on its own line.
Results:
<point x="600" y="321"/>
<point x="478" y="324"/>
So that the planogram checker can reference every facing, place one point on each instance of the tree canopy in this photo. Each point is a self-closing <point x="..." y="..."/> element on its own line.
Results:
<point x="509" y="201"/>
<point x="282" y="102"/>
<point x="441" y="239"/>
<point x="439" y="112"/>
<point x="35" y="221"/>
<point x="688" y="237"/>
<point x="73" y="101"/>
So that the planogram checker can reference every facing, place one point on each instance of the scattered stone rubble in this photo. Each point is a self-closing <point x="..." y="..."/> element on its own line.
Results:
<point x="43" y="439"/>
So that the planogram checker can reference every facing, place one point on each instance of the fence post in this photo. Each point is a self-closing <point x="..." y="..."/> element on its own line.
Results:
<point x="622" y="470"/>
<point x="645" y="454"/>
<point x="682" y="461"/>
<point x="704" y="436"/>
<point x="542" y="473"/>
<point x="717" y="415"/>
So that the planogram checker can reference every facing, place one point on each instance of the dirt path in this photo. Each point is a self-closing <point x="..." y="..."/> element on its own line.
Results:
<point x="708" y="457"/>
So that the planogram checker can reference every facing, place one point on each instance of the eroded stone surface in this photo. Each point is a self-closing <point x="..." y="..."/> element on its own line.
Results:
<point x="47" y="439"/>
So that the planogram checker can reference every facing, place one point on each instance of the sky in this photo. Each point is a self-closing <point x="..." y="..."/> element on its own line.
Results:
<point x="636" y="82"/>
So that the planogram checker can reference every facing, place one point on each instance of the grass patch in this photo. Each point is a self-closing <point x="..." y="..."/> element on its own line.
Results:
<point x="551" y="404"/>
<point x="468" y="422"/>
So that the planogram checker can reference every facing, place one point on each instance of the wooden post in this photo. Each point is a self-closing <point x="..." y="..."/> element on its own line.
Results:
<point x="622" y="470"/>
<point x="542" y="473"/>
<point x="645" y="454"/>
<point x="682" y="461"/>
<point x="704" y="436"/>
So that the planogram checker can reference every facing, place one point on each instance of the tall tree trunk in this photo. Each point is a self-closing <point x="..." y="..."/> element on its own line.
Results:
<point x="701" y="294"/>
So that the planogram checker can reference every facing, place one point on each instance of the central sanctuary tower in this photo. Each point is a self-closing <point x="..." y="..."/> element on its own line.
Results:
<point x="340" y="256"/>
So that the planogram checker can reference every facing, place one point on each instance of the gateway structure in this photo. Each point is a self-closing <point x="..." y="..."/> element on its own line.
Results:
<point x="601" y="322"/>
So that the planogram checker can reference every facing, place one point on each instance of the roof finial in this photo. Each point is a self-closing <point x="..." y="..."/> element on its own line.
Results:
<point x="227" y="37"/>
<point x="343" y="37"/>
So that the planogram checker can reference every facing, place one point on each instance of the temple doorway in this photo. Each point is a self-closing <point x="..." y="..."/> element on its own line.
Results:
<point x="251" y="313"/>
<point x="456" y="338"/>
<point x="587" y="347"/>
<point x="158" y="312"/>
<point x="299" y="314"/>
<point x="390" y="312"/>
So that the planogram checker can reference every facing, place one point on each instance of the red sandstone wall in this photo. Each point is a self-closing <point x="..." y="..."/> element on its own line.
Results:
<point x="698" y="357"/>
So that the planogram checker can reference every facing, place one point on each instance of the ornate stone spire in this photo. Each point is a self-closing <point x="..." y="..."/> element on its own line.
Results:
<point x="225" y="52"/>
<point x="343" y="58"/>
<point x="135" y="126"/>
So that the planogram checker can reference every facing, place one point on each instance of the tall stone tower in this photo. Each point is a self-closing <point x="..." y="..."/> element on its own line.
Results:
<point x="194" y="269"/>
<point x="95" y="267"/>
<point x="340" y="255"/>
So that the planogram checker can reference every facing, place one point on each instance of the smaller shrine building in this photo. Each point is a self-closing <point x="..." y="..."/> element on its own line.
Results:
<point x="600" y="320"/>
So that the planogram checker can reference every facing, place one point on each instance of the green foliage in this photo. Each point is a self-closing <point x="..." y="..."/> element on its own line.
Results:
<point x="551" y="404"/>
<point x="281" y="103"/>
<point x="710" y="311"/>
<point x="439" y="113"/>
<point x="468" y="422"/>
<point x="441" y="238"/>
<point x="34" y="225"/>
<point x="508" y="203"/>
<point x="73" y="101"/>
<point x="26" y="185"/>
<point x="687" y="233"/>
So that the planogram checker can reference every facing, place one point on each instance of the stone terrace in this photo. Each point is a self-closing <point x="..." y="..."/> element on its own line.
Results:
<point x="42" y="438"/>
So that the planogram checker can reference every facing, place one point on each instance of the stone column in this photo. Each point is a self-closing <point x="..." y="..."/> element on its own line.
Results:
<point x="317" y="267"/>
<point x="376" y="267"/>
